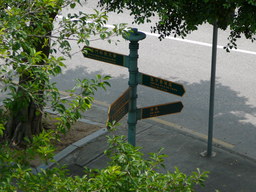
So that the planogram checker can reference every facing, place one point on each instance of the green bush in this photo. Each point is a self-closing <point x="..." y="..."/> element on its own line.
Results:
<point x="127" y="171"/>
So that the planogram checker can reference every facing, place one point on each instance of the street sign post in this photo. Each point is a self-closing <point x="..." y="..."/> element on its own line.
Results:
<point x="161" y="84"/>
<point x="105" y="56"/>
<point x="159" y="110"/>
<point x="127" y="102"/>
<point x="119" y="108"/>
<point x="134" y="37"/>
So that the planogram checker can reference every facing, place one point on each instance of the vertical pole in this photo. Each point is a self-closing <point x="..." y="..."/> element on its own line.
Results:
<point x="133" y="73"/>
<point x="134" y="36"/>
<point x="212" y="89"/>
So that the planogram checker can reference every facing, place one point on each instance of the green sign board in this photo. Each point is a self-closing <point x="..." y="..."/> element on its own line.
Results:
<point x="120" y="107"/>
<point x="161" y="84"/>
<point x="159" y="110"/>
<point x="104" y="56"/>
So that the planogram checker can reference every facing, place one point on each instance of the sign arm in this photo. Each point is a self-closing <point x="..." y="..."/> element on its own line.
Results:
<point x="161" y="84"/>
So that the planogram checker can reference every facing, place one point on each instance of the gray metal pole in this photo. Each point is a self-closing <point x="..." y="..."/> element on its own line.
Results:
<point x="133" y="37"/>
<point x="212" y="89"/>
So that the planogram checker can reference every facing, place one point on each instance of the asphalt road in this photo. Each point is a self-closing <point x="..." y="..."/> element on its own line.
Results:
<point x="187" y="62"/>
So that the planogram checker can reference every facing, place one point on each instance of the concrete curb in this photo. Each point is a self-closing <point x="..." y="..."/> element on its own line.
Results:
<point x="65" y="152"/>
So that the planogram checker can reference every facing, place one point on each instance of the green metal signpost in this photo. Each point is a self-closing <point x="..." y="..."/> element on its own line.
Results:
<point x="127" y="102"/>
<point x="133" y="37"/>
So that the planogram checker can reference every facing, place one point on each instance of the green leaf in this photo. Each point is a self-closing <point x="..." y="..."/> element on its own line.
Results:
<point x="2" y="128"/>
<point x="72" y="5"/>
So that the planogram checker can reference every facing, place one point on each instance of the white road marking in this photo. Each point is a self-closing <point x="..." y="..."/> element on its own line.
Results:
<point x="183" y="40"/>
<point x="193" y="42"/>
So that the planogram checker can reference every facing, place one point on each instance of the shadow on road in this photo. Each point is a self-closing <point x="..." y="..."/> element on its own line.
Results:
<point x="234" y="121"/>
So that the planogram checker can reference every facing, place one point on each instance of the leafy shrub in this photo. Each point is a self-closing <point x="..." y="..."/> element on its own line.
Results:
<point x="127" y="171"/>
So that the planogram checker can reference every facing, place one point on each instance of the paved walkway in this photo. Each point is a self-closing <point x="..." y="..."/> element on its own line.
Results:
<point x="229" y="172"/>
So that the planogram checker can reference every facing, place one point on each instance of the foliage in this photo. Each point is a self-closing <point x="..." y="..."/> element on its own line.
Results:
<point x="33" y="48"/>
<point x="34" y="44"/>
<point x="127" y="171"/>
<point x="180" y="17"/>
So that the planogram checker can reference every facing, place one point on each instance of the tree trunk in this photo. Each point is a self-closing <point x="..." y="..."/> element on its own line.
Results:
<point x="26" y="116"/>
<point x="24" y="123"/>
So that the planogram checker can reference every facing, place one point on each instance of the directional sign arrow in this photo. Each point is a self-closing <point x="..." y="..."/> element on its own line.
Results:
<point x="161" y="84"/>
<point x="119" y="108"/>
<point x="159" y="110"/>
<point x="105" y="56"/>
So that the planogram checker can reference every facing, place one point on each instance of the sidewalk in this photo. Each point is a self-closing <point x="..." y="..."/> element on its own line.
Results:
<point x="229" y="172"/>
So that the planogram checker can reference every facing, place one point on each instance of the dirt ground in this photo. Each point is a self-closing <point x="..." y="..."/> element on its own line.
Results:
<point x="78" y="131"/>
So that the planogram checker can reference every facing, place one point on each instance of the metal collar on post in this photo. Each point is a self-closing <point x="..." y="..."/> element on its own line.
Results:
<point x="134" y="35"/>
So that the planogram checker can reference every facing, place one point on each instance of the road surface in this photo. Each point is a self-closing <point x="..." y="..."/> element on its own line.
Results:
<point x="187" y="62"/>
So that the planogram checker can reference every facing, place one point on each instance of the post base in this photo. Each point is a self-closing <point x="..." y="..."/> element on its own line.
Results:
<point x="205" y="154"/>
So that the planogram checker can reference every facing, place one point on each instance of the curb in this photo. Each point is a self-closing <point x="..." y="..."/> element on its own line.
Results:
<point x="65" y="152"/>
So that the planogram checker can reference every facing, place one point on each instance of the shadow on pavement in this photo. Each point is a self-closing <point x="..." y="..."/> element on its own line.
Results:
<point x="234" y="120"/>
